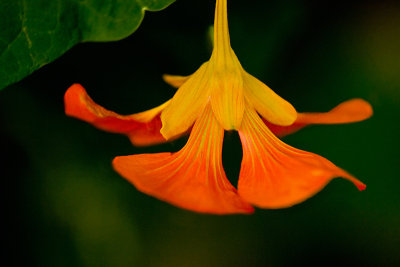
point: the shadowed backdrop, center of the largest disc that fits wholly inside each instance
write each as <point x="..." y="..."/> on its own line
<point x="67" y="207"/>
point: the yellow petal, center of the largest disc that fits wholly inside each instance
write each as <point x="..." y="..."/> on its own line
<point x="187" y="104"/>
<point x="271" y="106"/>
<point x="227" y="98"/>
<point x="175" y="80"/>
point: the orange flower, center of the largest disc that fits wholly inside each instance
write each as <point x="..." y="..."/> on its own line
<point x="220" y="96"/>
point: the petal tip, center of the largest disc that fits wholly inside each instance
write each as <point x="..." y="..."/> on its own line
<point x="368" y="110"/>
<point x="248" y="211"/>
<point x="74" y="105"/>
<point x="71" y="98"/>
<point x="290" y="117"/>
<point x="364" y="108"/>
<point x="74" y="89"/>
<point x="167" y="78"/>
<point x="355" y="110"/>
<point x="175" y="80"/>
<point x="165" y="133"/>
<point x="171" y="133"/>
<point x="361" y="186"/>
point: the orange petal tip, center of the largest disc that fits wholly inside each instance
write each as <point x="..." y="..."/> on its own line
<point x="72" y="101"/>
<point x="361" y="186"/>
<point x="358" y="109"/>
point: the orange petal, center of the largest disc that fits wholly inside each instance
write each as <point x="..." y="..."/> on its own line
<point x="270" y="105"/>
<point x="192" y="178"/>
<point x="352" y="110"/>
<point x="142" y="128"/>
<point x="147" y="133"/>
<point x="276" y="175"/>
<point x="175" y="80"/>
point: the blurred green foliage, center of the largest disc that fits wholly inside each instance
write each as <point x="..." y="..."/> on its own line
<point x="34" y="33"/>
<point x="68" y="208"/>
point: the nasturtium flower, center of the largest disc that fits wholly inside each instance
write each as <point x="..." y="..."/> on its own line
<point x="221" y="96"/>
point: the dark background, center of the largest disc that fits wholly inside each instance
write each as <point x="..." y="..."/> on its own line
<point x="65" y="206"/>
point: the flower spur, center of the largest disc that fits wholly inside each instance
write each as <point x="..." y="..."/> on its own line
<point x="221" y="96"/>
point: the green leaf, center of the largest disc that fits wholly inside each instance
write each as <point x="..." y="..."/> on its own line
<point x="36" y="32"/>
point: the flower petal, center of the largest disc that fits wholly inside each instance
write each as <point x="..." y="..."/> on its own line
<point x="270" y="105"/>
<point x="142" y="128"/>
<point x="227" y="98"/>
<point x="175" y="80"/>
<point x="187" y="104"/>
<point x="352" y="110"/>
<point x="276" y="175"/>
<point x="192" y="178"/>
<point x="147" y="133"/>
